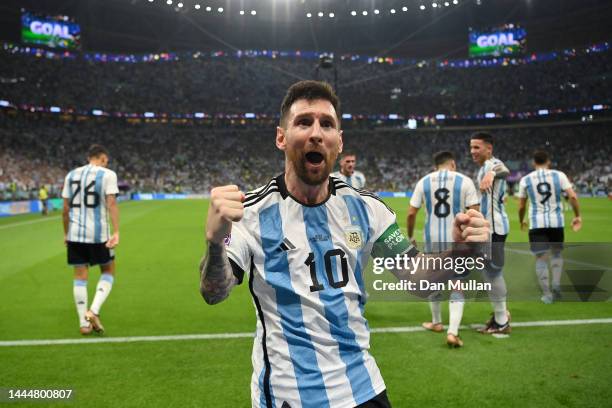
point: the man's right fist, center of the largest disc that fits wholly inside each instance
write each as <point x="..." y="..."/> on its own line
<point x="225" y="207"/>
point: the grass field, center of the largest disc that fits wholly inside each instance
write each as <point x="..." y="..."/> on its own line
<point x="156" y="293"/>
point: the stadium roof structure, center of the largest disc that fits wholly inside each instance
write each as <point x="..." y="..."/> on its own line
<point x="410" y="28"/>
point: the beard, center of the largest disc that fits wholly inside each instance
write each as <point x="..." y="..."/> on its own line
<point x="312" y="176"/>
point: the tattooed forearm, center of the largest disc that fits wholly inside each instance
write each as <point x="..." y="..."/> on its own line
<point x="216" y="277"/>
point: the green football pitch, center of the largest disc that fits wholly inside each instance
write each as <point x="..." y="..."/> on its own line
<point x="156" y="294"/>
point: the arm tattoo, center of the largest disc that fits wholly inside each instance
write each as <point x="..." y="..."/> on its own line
<point x="216" y="276"/>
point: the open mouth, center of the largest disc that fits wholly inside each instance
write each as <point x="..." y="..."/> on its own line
<point x="314" y="157"/>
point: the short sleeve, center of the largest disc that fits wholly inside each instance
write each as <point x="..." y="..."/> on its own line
<point x="471" y="196"/>
<point x="237" y="245"/>
<point x="111" y="183"/>
<point x="387" y="238"/>
<point x="564" y="181"/>
<point x="417" y="195"/>
<point x="66" y="188"/>
<point x="522" y="193"/>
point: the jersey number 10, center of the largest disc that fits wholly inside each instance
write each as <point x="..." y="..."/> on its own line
<point x="310" y="262"/>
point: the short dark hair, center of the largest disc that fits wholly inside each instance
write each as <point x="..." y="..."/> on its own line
<point x="309" y="90"/>
<point x="95" y="150"/>
<point x="442" y="157"/>
<point x="484" y="136"/>
<point x="347" y="153"/>
<point x="540" y="157"/>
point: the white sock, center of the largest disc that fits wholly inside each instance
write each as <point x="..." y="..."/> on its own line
<point x="497" y="295"/>
<point x="542" y="274"/>
<point x="79" y="291"/>
<point x="455" y="310"/>
<point x="436" y="312"/>
<point x="105" y="284"/>
<point x="556" y="264"/>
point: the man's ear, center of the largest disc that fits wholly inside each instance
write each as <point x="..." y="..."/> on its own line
<point x="281" y="141"/>
<point x="341" y="143"/>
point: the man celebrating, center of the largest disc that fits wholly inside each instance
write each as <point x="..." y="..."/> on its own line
<point x="545" y="187"/>
<point x="445" y="193"/>
<point x="347" y="173"/>
<point x="304" y="239"/>
<point x="492" y="184"/>
<point x="89" y="197"/>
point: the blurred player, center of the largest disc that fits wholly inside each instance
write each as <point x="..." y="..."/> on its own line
<point x="43" y="196"/>
<point x="347" y="173"/>
<point x="492" y="185"/>
<point x="89" y="198"/>
<point x="445" y="194"/>
<point x="303" y="240"/>
<point x="544" y="188"/>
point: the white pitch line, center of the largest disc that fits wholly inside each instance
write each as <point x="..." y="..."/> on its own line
<point x="215" y="336"/>
<point x="19" y="224"/>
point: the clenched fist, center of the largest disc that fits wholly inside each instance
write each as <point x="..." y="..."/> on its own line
<point x="471" y="227"/>
<point x="225" y="207"/>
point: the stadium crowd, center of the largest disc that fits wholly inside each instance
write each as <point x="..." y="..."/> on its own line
<point x="171" y="158"/>
<point x="239" y="85"/>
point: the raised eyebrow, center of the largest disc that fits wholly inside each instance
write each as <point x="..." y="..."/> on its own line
<point x="308" y="115"/>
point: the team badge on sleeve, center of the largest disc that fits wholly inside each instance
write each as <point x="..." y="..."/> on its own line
<point x="354" y="237"/>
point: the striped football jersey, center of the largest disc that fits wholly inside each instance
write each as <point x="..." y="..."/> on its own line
<point x="492" y="202"/>
<point x="356" y="180"/>
<point x="86" y="189"/>
<point x="544" y="188"/>
<point x="306" y="276"/>
<point x="445" y="194"/>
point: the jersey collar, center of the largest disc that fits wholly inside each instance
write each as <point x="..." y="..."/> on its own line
<point x="282" y="189"/>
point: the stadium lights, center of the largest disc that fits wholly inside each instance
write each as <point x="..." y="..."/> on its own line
<point x="455" y="1"/>
<point x="150" y="1"/>
<point x="308" y="15"/>
<point x="149" y="115"/>
<point x="392" y="11"/>
<point x="169" y="2"/>
<point x="347" y="116"/>
<point x="197" y="6"/>
<point x="97" y="112"/>
<point x="434" y="5"/>
<point x="4" y="103"/>
<point x="543" y="112"/>
<point x="253" y="12"/>
<point x="331" y="15"/>
<point x="422" y="7"/>
<point x="249" y="116"/>
<point x="364" y="12"/>
<point x="55" y="109"/>
<point x="595" y="107"/>
<point x="242" y="12"/>
<point x="180" y="5"/>
<point x="489" y="115"/>
<point x="320" y="14"/>
<point x="353" y="13"/>
<point x="199" y="115"/>
<point x="376" y="11"/>
<point x="440" y="116"/>
<point x="393" y="116"/>
<point x="220" y="9"/>
<point x="404" y="9"/>
<point x="208" y="8"/>
<point x="446" y="4"/>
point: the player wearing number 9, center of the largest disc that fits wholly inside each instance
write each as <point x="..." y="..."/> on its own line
<point x="303" y="241"/>
<point x="89" y="199"/>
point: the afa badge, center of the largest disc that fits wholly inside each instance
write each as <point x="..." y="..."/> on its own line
<point x="354" y="237"/>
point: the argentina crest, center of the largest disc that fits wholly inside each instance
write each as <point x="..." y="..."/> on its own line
<point x="353" y="237"/>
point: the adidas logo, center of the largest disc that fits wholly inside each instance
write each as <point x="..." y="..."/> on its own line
<point x="287" y="245"/>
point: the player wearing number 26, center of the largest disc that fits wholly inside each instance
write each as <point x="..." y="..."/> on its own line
<point x="89" y="201"/>
<point x="303" y="241"/>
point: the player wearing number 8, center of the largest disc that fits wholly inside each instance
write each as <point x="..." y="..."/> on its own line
<point x="445" y="193"/>
<point x="89" y="201"/>
<point x="544" y="188"/>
